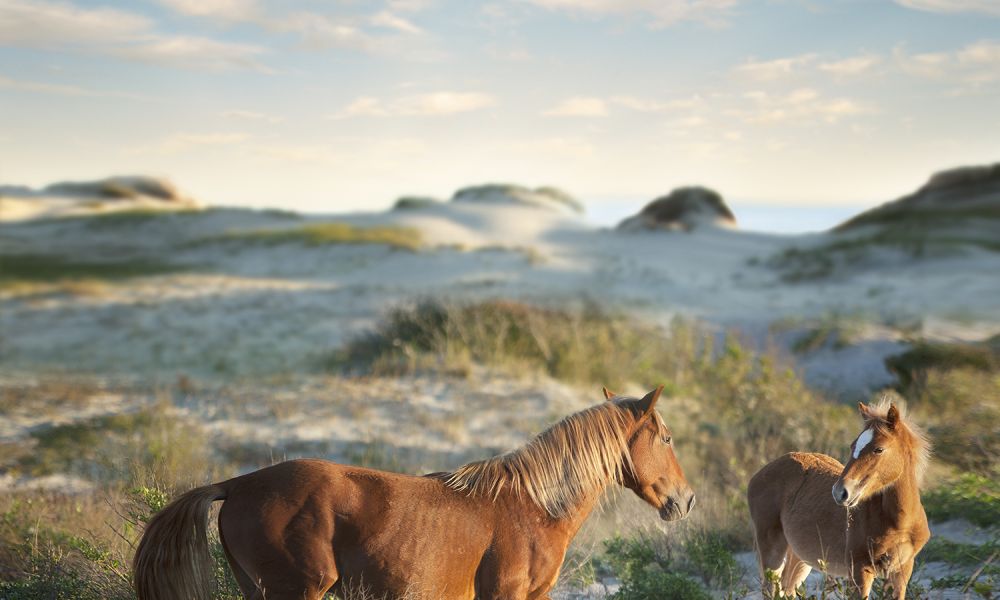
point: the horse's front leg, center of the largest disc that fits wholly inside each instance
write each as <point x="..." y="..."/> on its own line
<point x="900" y="579"/>
<point x="863" y="579"/>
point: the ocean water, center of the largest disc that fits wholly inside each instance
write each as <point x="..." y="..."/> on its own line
<point x="750" y="216"/>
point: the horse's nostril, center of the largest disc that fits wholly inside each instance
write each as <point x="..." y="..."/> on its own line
<point x="691" y="501"/>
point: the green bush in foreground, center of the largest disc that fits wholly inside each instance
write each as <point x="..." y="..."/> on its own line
<point x="647" y="576"/>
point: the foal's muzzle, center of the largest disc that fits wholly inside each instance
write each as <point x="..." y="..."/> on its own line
<point x="845" y="493"/>
<point x="678" y="506"/>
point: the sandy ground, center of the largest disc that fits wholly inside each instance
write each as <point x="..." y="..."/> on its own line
<point x="254" y="324"/>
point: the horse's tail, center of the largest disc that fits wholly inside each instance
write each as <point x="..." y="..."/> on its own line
<point x="173" y="561"/>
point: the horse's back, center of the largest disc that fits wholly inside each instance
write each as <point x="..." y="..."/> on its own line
<point x="778" y="481"/>
<point x="381" y="526"/>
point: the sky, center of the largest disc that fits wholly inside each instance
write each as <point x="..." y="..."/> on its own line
<point x="343" y="105"/>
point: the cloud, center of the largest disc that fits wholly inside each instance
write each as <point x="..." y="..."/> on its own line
<point x="65" y="90"/>
<point x="391" y="21"/>
<point x="554" y="146"/>
<point x="986" y="7"/>
<point x="54" y="24"/>
<point x="804" y="105"/>
<point x="658" y="13"/>
<point x="179" y="142"/>
<point x="855" y="65"/>
<point x="974" y="65"/>
<point x="417" y="105"/>
<point x="229" y="10"/>
<point x="60" y="26"/>
<point x="579" y="106"/>
<point x="195" y="52"/>
<point x="315" y="30"/>
<point x="770" y="70"/>
<point x="651" y="106"/>
<point x="250" y="115"/>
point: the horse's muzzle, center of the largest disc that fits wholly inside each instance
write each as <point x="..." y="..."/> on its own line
<point x="678" y="507"/>
<point x="846" y="493"/>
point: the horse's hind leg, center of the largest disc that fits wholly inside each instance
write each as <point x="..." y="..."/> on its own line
<point x="247" y="585"/>
<point x="795" y="572"/>
<point x="771" y="545"/>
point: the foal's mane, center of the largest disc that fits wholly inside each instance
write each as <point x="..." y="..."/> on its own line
<point x="915" y="437"/>
<point x="573" y="458"/>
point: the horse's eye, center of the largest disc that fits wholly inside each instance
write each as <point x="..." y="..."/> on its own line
<point x="879" y="450"/>
<point x="666" y="439"/>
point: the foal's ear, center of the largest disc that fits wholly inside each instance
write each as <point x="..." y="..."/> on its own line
<point x="648" y="402"/>
<point x="892" y="417"/>
<point x="863" y="409"/>
<point x="608" y="394"/>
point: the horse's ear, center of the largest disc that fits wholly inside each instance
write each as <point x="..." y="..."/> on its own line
<point x="608" y="394"/>
<point x="892" y="417"/>
<point x="863" y="410"/>
<point x="648" y="402"/>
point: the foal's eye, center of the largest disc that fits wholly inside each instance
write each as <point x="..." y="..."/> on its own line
<point x="878" y="450"/>
<point x="666" y="439"/>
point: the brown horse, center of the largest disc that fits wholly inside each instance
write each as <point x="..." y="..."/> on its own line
<point x="492" y="529"/>
<point x="872" y="524"/>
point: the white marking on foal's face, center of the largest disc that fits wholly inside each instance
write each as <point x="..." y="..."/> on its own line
<point x="863" y="440"/>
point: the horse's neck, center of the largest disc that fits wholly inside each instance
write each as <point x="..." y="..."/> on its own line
<point x="575" y="517"/>
<point x="900" y="504"/>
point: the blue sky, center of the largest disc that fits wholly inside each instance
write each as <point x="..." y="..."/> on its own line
<point x="345" y="105"/>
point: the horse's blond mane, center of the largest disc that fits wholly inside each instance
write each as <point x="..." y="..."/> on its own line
<point x="577" y="456"/>
<point x="919" y="442"/>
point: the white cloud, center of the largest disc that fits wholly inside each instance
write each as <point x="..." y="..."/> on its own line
<point x="195" y="52"/>
<point x="65" y="90"/>
<point x="652" y="106"/>
<point x="229" y="10"/>
<point x="554" y="146"/>
<point x="391" y="21"/>
<point x="779" y="68"/>
<point x="55" y="24"/>
<point x="179" y="142"/>
<point x="973" y="65"/>
<point x="660" y="13"/>
<point x="855" y="65"/>
<point x="60" y="26"/>
<point x="417" y="105"/>
<point x="986" y="7"/>
<point x="579" y="106"/>
<point x="804" y="105"/>
<point x="251" y="115"/>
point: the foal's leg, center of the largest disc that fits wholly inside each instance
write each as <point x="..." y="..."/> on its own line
<point x="771" y="546"/>
<point x="794" y="573"/>
<point x="900" y="579"/>
<point x="864" y="577"/>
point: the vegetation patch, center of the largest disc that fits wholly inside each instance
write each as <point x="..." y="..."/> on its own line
<point x="972" y="497"/>
<point x="822" y="261"/>
<point x="322" y="234"/>
<point x="955" y="391"/>
<point x="651" y="569"/>
<point x="25" y="269"/>
<point x="733" y="409"/>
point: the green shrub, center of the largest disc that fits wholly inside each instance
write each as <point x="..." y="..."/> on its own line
<point x="647" y="575"/>
<point x="21" y="268"/>
<point x="972" y="497"/>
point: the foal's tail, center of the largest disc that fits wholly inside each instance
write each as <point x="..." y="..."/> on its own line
<point x="173" y="561"/>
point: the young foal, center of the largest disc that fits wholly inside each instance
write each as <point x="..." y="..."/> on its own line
<point x="493" y="529"/>
<point x="872" y="523"/>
